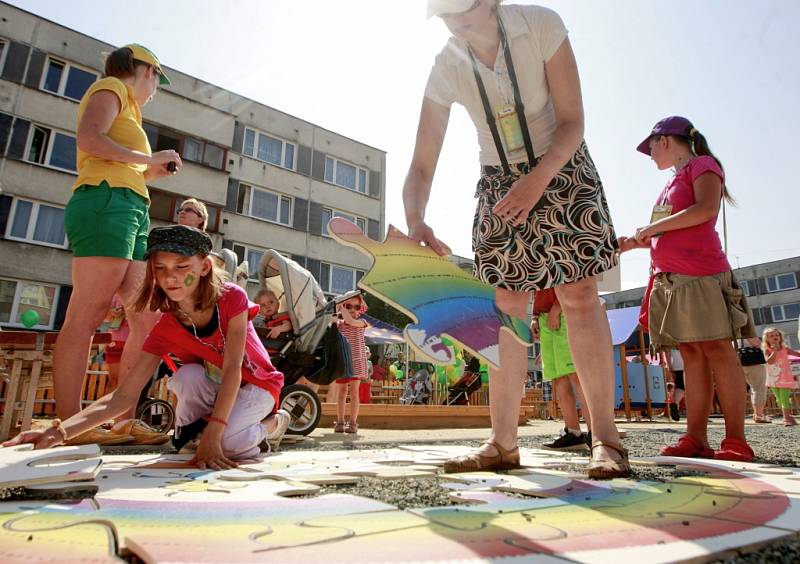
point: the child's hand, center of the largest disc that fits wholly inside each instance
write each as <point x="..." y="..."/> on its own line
<point x="535" y="328"/>
<point x="209" y="454"/>
<point x="39" y="439"/>
<point x="626" y="244"/>
<point x="554" y="322"/>
<point x="644" y="234"/>
<point x="275" y="332"/>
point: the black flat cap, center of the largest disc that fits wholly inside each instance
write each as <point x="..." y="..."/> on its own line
<point x="178" y="239"/>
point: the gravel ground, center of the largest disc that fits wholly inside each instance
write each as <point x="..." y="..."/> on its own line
<point x="773" y="444"/>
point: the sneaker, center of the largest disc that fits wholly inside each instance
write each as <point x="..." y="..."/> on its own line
<point x="566" y="442"/>
<point x="338" y="427"/>
<point x="282" y="423"/>
<point x="351" y="427"/>
<point x="674" y="412"/>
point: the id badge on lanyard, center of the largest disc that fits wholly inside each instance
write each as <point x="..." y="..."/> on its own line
<point x="510" y="127"/>
<point x="660" y="212"/>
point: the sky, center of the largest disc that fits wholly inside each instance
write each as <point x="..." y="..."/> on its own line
<point x="359" y="67"/>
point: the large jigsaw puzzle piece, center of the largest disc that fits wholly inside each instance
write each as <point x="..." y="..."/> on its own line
<point x="443" y="300"/>
<point x="20" y="465"/>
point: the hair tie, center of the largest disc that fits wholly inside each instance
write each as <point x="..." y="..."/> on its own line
<point x="692" y="132"/>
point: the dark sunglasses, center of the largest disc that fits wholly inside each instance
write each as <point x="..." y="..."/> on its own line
<point x="188" y="209"/>
<point x="350" y="306"/>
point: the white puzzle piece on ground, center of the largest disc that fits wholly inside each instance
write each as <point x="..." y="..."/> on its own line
<point x="20" y="465"/>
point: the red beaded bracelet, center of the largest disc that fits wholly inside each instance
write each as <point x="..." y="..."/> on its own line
<point x="213" y="419"/>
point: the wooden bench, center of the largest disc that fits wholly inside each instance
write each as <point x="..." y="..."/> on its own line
<point x="28" y="358"/>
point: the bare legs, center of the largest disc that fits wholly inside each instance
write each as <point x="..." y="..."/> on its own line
<point x="590" y="344"/>
<point x="139" y="322"/>
<point x="95" y="280"/>
<point x="341" y="399"/>
<point x="705" y="363"/>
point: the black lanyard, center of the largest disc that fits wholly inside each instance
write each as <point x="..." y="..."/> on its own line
<point x="518" y="105"/>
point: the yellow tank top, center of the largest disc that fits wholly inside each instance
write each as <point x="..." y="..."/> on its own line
<point x="126" y="130"/>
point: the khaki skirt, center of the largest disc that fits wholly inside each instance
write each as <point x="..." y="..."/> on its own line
<point x="688" y="309"/>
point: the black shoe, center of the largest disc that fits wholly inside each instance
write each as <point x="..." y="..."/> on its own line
<point x="566" y="441"/>
<point x="588" y="438"/>
<point x="673" y="411"/>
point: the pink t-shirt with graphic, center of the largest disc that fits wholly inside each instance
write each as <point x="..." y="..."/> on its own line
<point x="696" y="250"/>
<point x="257" y="368"/>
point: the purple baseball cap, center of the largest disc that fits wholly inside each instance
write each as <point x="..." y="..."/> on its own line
<point x="672" y="125"/>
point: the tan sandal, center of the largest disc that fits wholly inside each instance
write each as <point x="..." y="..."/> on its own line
<point x="609" y="469"/>
<point x="477" y="462"/>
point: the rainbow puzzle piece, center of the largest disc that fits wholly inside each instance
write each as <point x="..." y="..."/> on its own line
<point x="442" y="299"/>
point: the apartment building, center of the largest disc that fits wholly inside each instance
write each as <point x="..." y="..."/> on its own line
<point x="772" y="291"/>
<point x="270" y="180"/>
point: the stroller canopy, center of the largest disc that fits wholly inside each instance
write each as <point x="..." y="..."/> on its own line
<point x="298" y="294"/>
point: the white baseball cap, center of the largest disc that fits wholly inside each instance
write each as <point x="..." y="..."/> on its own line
<point x="439" y="7"/>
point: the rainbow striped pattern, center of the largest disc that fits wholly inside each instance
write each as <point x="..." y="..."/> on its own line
<point x="443" y="300"/>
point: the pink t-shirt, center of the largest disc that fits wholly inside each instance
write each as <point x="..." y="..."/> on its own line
<point x="693" y="251"/>
<point x="169" y="336"/>
<point x="784" y="378"/>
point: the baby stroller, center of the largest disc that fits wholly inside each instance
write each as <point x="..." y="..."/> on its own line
<point x="315" y="349"/>
<point x="418" y="388"/>
<point x="458" y="393"/>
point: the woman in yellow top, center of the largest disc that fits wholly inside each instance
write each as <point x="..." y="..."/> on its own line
<point x="107" y="218"/>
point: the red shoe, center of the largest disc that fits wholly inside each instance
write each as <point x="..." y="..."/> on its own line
<point x="735" y="450"/>
<point x="687" y="447"/>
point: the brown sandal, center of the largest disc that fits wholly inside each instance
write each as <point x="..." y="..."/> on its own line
<point x="477" y="462"/>
<point x="609" y="469"/>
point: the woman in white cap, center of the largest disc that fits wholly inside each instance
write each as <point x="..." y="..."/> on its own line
<point x="541" y="219"/>
<point x="107" y="217"/>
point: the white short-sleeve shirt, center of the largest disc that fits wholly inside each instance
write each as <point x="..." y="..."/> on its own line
<point x="534" y="34"/>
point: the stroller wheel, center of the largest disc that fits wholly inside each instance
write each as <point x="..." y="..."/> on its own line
<point x="157" y="413"/>
<point x="304" y="406"/>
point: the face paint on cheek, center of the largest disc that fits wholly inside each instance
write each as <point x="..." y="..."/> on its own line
<point x="188" y="280"/>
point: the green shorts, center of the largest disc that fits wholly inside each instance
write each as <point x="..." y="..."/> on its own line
<point x="102" y="221"/>
<point x="556" y="358"/>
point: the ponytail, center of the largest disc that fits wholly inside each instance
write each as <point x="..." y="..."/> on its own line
<point x="120" y="63"/>
<point x="699" y="146"/>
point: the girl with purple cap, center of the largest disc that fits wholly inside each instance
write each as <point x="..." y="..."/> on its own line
<point x="693" y="301"/>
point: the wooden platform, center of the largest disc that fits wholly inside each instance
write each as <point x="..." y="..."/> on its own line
<point x="378" y="416"/>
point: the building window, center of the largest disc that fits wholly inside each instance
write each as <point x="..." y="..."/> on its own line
<point x="34" y="222"/>
<point x="329" y="213"/>
<point x="3" y="51"/>
<point x="785" y="312"/>
<point x="346" y="175"/>
<point x="19" y="296"/>
<point x="190" y="148"/>
<point x="336" y="279"/>
<point x="65" y="79"/>
<point x="748" y="287"/>
<point x="164" y="206"/>
<point x="52" y="148"/>
<point x="252" y="256"/>
<point x="263" y="204"/>
<point x="781" y="282"/>
<point x="269" y="149"/>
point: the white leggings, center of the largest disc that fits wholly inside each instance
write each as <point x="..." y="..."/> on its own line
<point x="196" y="397"/>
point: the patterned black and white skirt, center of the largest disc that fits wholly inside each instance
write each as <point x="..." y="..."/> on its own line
<point x="568" y="236"/>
